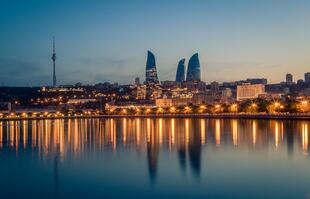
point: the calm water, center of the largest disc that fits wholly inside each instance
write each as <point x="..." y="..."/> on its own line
<point x="155" y="158"/>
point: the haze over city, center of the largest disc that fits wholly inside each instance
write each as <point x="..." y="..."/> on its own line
<point x="99" y="41"/>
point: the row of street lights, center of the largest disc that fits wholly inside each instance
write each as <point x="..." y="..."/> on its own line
<point x="204" y="108"/>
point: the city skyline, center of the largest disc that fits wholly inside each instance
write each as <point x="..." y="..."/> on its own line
<point x="189" y="98"/>
<point x="106" y="41"/>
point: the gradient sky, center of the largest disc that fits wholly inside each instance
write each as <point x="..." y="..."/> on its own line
<point x="99" y="41"/>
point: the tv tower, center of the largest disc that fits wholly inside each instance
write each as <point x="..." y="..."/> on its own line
<point x="54" y="60"/>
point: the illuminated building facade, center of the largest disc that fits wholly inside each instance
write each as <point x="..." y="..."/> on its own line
<point x="141" y="92"/>
<point x="163" y="102"/>
<point x="249" y="91"/>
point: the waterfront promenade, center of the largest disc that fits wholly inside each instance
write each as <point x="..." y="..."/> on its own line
<point x="284" y="116"/>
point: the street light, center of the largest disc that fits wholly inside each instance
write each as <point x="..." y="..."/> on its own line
<point x="234" y="107"/>
<point x="172" y="109"/>
<point x="160" y="110"/>
<point x="187" y="109"/>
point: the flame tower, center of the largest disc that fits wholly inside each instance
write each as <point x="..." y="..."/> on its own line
<point x="193" y="69"/>
<point x="54" y="60"/>
<point x="180" y="75"/>
<point x="151" y="76"/>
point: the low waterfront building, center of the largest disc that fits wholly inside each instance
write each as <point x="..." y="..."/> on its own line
<point x="249" y="91"/>
<point x="111" y="107"/>
<point x="80" y="101"/>
<point x="164" y="102"/>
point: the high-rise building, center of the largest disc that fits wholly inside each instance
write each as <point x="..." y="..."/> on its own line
<point x="180" y="75"/>
<point x="289" y="78"/>
<point x="54" y="60"/>
<point x="151" y="76"/>
<point x="307" y="78"/>
<point x="249" y="91"/>
<point x="214" y="86"/>
<point x="137" y="81"/>
<point x="193" y="69"/>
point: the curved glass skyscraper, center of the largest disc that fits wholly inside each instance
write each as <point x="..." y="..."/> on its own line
<point x="193" y="69"/>
<point x="151" y="76"/>
<point x="180" y="75"/>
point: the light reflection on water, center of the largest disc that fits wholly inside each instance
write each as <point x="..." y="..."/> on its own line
<point x="187" y="142"/>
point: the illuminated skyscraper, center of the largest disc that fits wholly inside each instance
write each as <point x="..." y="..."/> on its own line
<point x="54" y="60"/>
<point x="180" y="75"/>
<point x="151" y="76"/>
<point x="193" y="69"/>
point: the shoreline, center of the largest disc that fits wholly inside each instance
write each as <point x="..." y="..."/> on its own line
<point x="215" y="116"/>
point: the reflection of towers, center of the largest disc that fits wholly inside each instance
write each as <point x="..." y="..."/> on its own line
<point x="190" y="140"/>
<point x="152" y="151"/>
<point x="181" y="142"/>
<point x="194" y="149"/>
<point x="54" y="60"/>
<point x="56" y="164"/>
<point x="288" y="131"/>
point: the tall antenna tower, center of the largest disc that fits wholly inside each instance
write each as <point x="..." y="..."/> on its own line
<point x="54" y="60"/>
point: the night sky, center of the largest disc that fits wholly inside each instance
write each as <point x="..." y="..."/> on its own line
<point x="99" y="41"/>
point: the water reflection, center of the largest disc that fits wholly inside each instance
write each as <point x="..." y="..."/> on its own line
<point x="61" y="139"/>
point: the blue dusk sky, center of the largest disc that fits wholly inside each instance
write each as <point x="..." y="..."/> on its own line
<point x="99" y="41"/>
